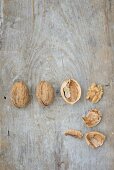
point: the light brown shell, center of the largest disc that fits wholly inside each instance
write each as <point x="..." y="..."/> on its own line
<point x="92" y="118"/>
<point x="94" y="139"/>
<point x="20" y="94"/>
<point x="95" y="93"/>
<point x="70" y="91"/>
<point x="45" y="93"/>
<point x="74" y="133"/>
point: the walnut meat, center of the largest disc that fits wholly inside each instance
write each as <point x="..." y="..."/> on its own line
<point x="95" y="93"/>
<point x="74" y="133"/>
<point x="94" y="139"/>
<point x="92" y="118"/>
<point x="45" y="93"/>
<point x="20" y="94"/>
<point x="70" y="91"/>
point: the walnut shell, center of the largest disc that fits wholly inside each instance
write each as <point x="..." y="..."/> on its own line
<point x="94" y="139"/>
<point x="74" y="133"/>
<point x="92" y="118"/>
<point x="45" y="93"/>
<point x="20" y="94"/>
<point x="70" y="91"/>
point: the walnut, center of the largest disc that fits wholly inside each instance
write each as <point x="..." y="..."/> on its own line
<point x="95" y="93"/>
<point x="74" y="133"/>
<point x="92" y="118"/>
<point x="71" y="91"/>
<point x="94" y="139"/>
<point x="45" y="93"/>
<point x="20" y="94"/>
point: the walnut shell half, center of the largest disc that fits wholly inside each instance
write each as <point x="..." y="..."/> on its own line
<point x="20" y="94"/>
<point x="70" y="91"/>
<point x="92" y="118"/>
<point x="45" y="93"/>
<point x="74" y="133"/>
<point x="94" y="139"/>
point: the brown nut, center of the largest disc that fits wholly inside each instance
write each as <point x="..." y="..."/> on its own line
<point x="94" y="139"/>
<point x="70" y="91"/>
<point x="20" y="94"/>
<point x="95" y="93"/>
<point x="74" y="133"/>
<point x="92" y="118"/>
<point x="45" y="93"/>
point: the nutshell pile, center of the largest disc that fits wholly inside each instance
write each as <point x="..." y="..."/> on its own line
<point x="71" y="93"/>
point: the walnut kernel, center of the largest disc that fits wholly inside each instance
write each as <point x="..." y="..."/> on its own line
<point x="95" y="93"/>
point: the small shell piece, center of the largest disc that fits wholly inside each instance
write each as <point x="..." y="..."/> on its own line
<point x="20" y="94"/>
<point x="70" y="91"/>
<point x="94" y="139"/>
<point x="95" y="93"/>
<point x="74" y="133"/>
<point x="92" y="118"/>
<point x="45" y="93"/>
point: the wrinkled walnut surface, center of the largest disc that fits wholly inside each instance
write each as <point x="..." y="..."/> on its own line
<point x="20" y="94"/>
<point x="71" y="91"/>
<point x="92" y="118"/>
<point x="74" y="133"/>
<point x="95" y="139"/>
<point x="95" y="93"/>
<point x="45" y="93"/>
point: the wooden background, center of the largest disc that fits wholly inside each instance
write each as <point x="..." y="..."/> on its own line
<point x="54" y="40"/>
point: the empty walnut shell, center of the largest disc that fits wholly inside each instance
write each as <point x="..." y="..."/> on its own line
<point x="95" y="139"/>
<point x="70" y="91"/>
<point x="20" y="94"/>
<point x="74" y="133"/>
<point x="92" y="118"/>
<point x="45" y="93"/>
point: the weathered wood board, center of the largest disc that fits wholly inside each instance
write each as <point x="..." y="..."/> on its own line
<point x="54" y="40"/>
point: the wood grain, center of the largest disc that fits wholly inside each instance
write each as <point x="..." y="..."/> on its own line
<point x="54" y="40"/>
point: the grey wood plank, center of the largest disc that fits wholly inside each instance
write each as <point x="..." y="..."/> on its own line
<point x="55" y="40"/>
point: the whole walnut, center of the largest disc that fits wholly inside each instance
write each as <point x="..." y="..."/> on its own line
<point x="20" y="94"/>
<point x="45" y="93"/>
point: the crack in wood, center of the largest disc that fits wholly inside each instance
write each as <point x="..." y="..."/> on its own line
<point x="110" y="4"/>
<point x="8" y="133"/>
<point x="33" y="12"/>
<point x="107" y="28"/>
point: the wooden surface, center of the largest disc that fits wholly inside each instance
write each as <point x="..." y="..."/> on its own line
<point x="54" y="40"/>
